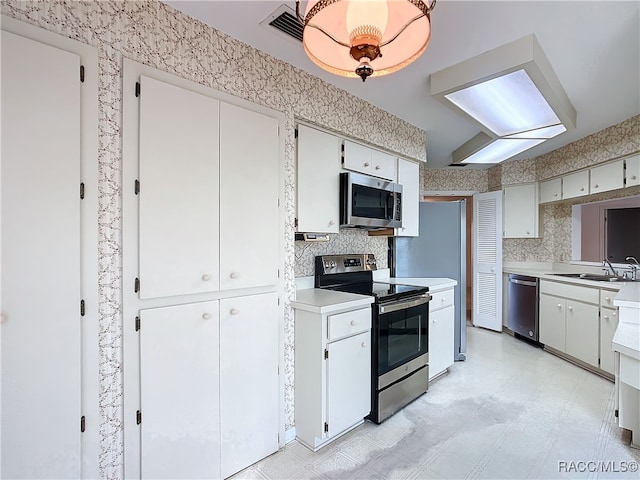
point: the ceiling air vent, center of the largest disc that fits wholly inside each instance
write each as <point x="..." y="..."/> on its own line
<point x="284" y="20"/>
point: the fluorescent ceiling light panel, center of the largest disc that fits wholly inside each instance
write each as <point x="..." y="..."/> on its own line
<point x="510" y="92"/>
<point x="500" y="149"/>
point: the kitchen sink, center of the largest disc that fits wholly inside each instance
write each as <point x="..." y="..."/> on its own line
<point x="594" y="276"/>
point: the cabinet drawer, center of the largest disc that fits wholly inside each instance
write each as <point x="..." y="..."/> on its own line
<point x="565" y="290"/>
<point x="606" y="298"/>
<point x="441" y="300"/>
<point x="348" y="323"/>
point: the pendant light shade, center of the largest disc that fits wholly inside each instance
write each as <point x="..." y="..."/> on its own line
<point x="362" y="38"/>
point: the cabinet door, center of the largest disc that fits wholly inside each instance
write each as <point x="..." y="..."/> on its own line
<point x="551" y="190"/>
<point x="633" y="170"/>
<point x="249" y="211"/>
<point x="348" y="382"/>
<point x="318" y="185"/>
<point x="357" y="157"/>
<point x="608" y="325"/>
<point x="383" y="165"/>
<point x="40" y="261"/>
<point x="552" y="322"/>
<point x="178" y="242"/>
<point x="409" y="178"/>
<point x="521" y="211"/>
<point x="248" y="380"/>
<point x="575" y="184"/>
<point x="582" y="337"/>
<point x="441" y="333"/>
<point x="607" y="177"/>
<point x="179" y="391"/>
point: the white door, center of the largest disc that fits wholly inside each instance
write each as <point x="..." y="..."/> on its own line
<point x="487" y="260"/>
<point x="178" y="243"/>
<point x="348" y="382"/>
<point x="40" y="261"/>
<point x="249" y="210"/>
<point x="248" y="380"/>
<point x="179" y="391"/>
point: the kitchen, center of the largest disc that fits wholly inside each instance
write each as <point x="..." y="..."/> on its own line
<point x="116" y="30"/>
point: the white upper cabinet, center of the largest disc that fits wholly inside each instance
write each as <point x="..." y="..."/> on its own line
<point x="520" y="209"/>
<point x="409" y="178"/>
<point x="178" y="198"/>
<point x="575" y="184"/>
<point x="249" y="212"/>
<point x="633" y="170"/>
<point x="318" y="181"/>
<point x="607" y="177"/>
<point x="551" y="190"/>
<point x="363" y="159"/>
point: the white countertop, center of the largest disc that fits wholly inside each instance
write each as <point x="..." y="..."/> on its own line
<point x="628" y="296"/>
<point x="317" y="300"/>
<point x="626" y="340"/>
<point x="434" y="284"/>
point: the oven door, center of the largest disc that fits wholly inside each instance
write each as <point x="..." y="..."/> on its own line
<point x="402" y="331"/>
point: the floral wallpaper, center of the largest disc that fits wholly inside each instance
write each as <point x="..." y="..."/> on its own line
<point x="154" y="34"/>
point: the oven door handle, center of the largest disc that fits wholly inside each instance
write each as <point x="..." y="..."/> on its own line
<point x="403" y="304"/>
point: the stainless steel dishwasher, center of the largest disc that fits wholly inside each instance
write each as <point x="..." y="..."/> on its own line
<point x="523" y="306"/>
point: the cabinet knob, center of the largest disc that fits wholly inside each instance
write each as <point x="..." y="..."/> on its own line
<point x="555" y="194"/>
<point x="364" y="344"/>
<point x="582" y="189"/>
<point x="559" y="305"/>
<point x="596" y="186"/>
<point x="633" y="177"/>
<point x="331" y="222"/>
<point x="528" y="232"/>
<point x="233" y="311"/>
<point x="377" y="167"/>
<point x="493" y="269"/>
<point x="206" y="316"/>
<point x="435" y="320"/>
<point x="607" y="299"/>
<point x="606" y="318"/>
<point x="366" y="164"/>
<point x="571" y="308"/>
<point x="233" y="275"/>
<point x="614" y="314"/>
<point x="353" y="323"/>
<point x="206" y="278"/>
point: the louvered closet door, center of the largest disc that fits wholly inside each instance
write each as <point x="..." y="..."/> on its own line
<point x="487" y="260"/>
<point x="179" y="170"/>
<point x="40" y="259"/>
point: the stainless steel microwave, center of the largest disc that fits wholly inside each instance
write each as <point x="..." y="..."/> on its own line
<point x="369" y="202"/>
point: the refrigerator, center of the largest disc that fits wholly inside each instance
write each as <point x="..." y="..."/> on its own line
<point x="439" y="251"/>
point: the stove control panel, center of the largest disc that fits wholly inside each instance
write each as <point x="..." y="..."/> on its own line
<point x="330" y="264"/>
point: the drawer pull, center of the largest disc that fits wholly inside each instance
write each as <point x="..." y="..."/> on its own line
<point x="607" y="299"/>
<point x="559" y="305"/>
<point x="606" y="318"/>
<point x="366" y="164"/>
<point x="206" y="278"/>
<point x="353" y="323"/>
<point x="364" y="344"/>
<point x="377" y="167"/>
<point x="233" y="311"/>
<point x="596" y="186"/>
<point x="582" y="189"/>
<point x="206" y="316"/>
<point x="571" y="309"/>
<point x="233" y="275"/>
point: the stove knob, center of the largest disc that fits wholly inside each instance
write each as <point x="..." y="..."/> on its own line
<point x="333" y="264"/>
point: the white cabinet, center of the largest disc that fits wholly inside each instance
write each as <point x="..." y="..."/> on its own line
<point x="318" y="181"/>
<point x="363" y="159"/>
<point x="569" y="320"/>
<point x="178" y="193"/>
<point x="48" y="256"/>
<point x="607" y="177"/>
<point x="441" y="332"/>
<point x="409" y="178"/>
<point x="248" y="380"/>
<point x="249" y="191"/>
<point x="575" y="184"/>
<point x="632" y="174"/>
<point x="551" y="190"/>
<point x="179" y="385"/>
<point x="332" y="369"/>
<point x="608" y="325"/>
<point x="520" y="209"/>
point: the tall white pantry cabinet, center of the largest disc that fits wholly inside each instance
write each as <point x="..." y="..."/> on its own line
<point x="202" y="259"/>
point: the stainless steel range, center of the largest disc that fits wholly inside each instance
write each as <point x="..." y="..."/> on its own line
<point x="400" y="319"/>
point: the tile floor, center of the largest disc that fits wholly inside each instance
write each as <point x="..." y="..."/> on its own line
<point x="510" y="411"/>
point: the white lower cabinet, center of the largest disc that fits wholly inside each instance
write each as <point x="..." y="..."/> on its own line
<point x="179" y="391"/>
<point x="608" y="325"/>
<point x="569" y="320"/>
<point x="248" y="380"/>
<point x="332" y="372"/>
<point x="441" y="332"/>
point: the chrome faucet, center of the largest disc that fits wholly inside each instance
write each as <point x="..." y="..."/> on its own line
<point x="634" y="267"/>
<point x="607" y="262"/>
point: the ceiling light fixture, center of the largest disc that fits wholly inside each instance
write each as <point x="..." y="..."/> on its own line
<point x="362" y="38"/>
<point x="512" y="93"/>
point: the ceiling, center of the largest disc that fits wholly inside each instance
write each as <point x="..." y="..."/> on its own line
<point x="593" y="46"/>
